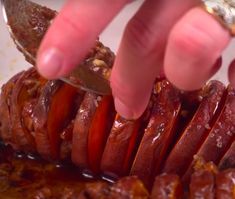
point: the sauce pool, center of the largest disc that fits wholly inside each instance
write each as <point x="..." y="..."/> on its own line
<point x="23" y="176"/>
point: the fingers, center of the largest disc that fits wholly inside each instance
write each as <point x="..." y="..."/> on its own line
<point x="194" y="45"/>
<point x="73" y="33"/>
<point x="140" y="56"/>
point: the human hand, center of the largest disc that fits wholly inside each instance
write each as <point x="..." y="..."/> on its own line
<point x="176" y="36"/>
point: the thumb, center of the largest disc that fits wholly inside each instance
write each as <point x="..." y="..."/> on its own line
<point x="73" y="33"/>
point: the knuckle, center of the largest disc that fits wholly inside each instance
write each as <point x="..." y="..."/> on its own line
<point x="73" y="26"/>
<point x="196" y="43"/>
<point x="141" y="36"/>
<point x="120" y="88"/>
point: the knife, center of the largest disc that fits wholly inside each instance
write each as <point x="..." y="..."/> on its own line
<point x="27" y="23"/>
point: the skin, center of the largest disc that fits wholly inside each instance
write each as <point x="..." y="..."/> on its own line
<point x="177" y="37"/>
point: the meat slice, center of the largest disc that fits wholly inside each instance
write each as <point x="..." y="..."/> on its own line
<point x="202" y="183"/>
<point x="99" y="60"/>
<point x="167" y="186"/>
<point x="5" y="119"/>
<point x="128" y="187"/>
<point x="82" y="125"/>
<point x="225" y="184"/>
<point x="228" y="160"/>
<point x="159" y="133"/>
<point x="66" y="144"/>
<point x="222" y="133"/>
<point x="197" y="130"/>
<point x="26" y="89"/>
<point x="99" y="131"/>
<point x="120" y="144"/>
<point x="220" y="136"/>
<point x="55" y="109"/>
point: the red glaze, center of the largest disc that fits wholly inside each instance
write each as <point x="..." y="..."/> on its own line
<point x="99" y="130"/>
<point x="221" y="135"/>
<point x="120" y="144"/>
<point x="82" y="125"/>
<point x="56" y="107"/>
<point x="197" y="130"/>
<point x="159" y="133"/>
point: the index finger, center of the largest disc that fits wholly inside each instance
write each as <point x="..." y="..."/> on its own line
<point x="73" y="33"/>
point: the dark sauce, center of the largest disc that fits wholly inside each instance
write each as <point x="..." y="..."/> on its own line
<point x="23" y="176"/>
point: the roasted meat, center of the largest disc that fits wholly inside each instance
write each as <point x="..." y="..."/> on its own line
<point x="58" y="141"/>
<point x="62" y="124"/>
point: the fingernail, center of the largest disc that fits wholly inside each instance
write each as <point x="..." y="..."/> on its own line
<point x="50" y="63"/>
<point x="123" y="110"/>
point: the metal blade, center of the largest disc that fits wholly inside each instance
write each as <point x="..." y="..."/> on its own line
<point x="28" y="23"/>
